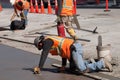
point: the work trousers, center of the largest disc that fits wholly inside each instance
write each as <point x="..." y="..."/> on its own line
<point x="67" y="22"/>
<point x="24" y="16"/>
<point x="82" y="64"/>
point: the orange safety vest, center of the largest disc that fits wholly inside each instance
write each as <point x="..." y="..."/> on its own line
<point x="67" y="8"/>
<point x="61" y="46"/>
<point x="26" y="5"/>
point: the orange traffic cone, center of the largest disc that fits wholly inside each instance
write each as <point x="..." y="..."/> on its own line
<point x="42" y="7"/>
<point x="56" y="6"/>
<point x="31" y="7"/>
<point x="49" y="7"/>
<point x="0" y="7"/>
<point x="74" y="7"/>
<point x="107" y="8"/>
<point x="36" y="7"/>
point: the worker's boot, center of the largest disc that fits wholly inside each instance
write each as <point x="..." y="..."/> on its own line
<point x="108" y="65"/>
<point x="36" y="70"/>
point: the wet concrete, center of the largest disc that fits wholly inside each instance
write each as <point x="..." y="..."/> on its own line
<point x="17" y="64"/>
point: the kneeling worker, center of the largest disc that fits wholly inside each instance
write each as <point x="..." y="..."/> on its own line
<point x="21" y="6"/>
<point x="68" y="50"/>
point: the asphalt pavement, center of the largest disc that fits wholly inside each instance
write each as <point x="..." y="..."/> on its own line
<point x="17" y="64"/>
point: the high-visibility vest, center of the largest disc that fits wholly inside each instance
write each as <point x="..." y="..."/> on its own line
<point x="61" y="46"/>
<point x="26" y="5"/>
<point x="67" y="8"/>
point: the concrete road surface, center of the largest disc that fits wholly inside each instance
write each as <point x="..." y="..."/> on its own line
<point x="107" y="23"/>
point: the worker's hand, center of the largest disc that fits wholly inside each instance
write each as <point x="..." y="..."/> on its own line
<point x="36" y="70"/>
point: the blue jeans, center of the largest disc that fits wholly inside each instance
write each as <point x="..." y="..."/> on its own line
<point x="82" y="64"/>
<point x="25" y="12"/>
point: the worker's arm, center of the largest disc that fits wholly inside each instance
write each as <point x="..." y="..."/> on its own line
<point x="15" y="10"/>
<point x="47" y="44"/>
<point x="64" y="61"/>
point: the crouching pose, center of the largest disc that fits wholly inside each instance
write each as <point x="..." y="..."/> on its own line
<point x="68" y="50"/>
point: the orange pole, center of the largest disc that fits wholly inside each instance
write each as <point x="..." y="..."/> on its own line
<point x="60" y="29"/>
<point x="107" y="6"/>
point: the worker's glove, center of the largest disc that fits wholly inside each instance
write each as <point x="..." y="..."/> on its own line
<point x="61" y="69"/>
<point x="36" y="70"/>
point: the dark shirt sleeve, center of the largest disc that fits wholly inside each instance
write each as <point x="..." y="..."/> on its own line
<point x="47" y="44"/>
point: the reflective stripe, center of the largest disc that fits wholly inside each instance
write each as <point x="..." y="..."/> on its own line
<point x="60" y="46"/>
<point x="60" y="41"/>
<point x="65" y="5"/>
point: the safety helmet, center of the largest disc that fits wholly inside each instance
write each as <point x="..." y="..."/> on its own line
<point x="20" y="3"/>
<point x="38" y="40"/>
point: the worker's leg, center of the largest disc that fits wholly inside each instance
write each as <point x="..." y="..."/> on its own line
<point x="81" y="64"/>
<point x="72" y="63"/>
<point x="67" y="22"/>
<point x="78" y="57"/>
<point x="96" y="65"/>
<point x="26" y="13"/>
<point x="24" y="16"/>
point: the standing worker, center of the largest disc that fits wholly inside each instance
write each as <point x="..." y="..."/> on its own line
<point x="23" y="7"/>
<point x="65" y="16"/>
<point x="68" y="50"/>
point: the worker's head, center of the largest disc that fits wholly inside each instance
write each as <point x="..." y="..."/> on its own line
<point x="38" y="42"/>
<point x="20" y="3"/>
